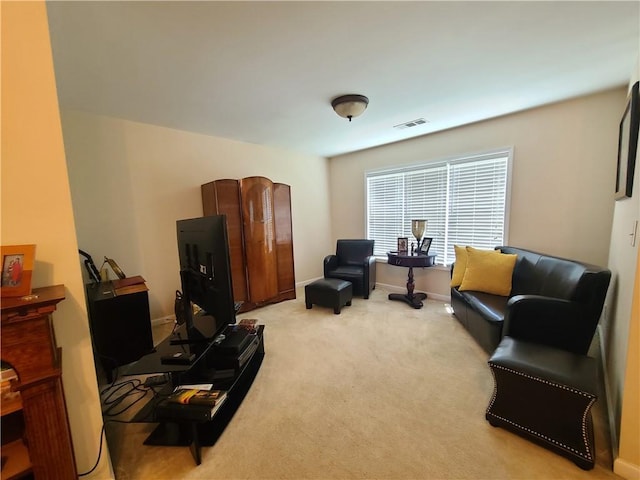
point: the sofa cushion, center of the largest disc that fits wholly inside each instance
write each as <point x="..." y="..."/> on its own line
<point x="459" y="266"/>
<point x="539" y="274"/>
<point x="491" y="307"/>
<point x="488" y="271"/>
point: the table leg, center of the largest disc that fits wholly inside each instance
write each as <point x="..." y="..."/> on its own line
<point x="413" y="299"/>
<point x="195" y="445"/>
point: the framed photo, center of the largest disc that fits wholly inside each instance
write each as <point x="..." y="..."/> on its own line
<point x="403" y="244"/>
<point x="17" y="269"/>
<point x="426" y="243"/>
<point x="628" y="145"/>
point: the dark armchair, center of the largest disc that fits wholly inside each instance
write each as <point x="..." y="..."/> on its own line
<point x="353" y="261"/>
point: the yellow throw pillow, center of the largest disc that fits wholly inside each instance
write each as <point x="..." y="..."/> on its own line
<point x="460" y="265"/>
<point x="488" y="271"/>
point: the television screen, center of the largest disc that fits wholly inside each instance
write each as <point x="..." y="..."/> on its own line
<point x="205" y="272"/>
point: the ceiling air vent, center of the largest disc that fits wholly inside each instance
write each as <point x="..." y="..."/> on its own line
<point x="411" y="123"/>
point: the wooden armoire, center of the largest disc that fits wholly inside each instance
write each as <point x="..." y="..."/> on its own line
<point x="258" y="215"/>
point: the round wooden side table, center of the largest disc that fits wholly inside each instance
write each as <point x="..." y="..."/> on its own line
<point x="405" y="260"/>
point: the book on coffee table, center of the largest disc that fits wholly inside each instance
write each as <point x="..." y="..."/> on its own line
<point x="193" y="396"/>
<point x="191" y="404"/>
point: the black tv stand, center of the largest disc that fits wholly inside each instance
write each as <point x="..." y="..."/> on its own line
<point x="195" y="434"/>
<point x="186" y="341"/>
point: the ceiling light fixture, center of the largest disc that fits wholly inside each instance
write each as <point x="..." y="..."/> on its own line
<point x="349" y="106"/>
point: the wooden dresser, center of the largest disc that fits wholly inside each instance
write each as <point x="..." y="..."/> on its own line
<point x="44" y="446"/>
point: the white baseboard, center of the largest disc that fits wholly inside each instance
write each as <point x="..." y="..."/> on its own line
<point x="626" y="470"/>
<point x="307" y="282"/>
<point x="613" y="433"/>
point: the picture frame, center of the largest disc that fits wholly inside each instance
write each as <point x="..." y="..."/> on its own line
<point x="628" y="145"/>
<point x="403" y="244"/>
<point x="426" y="244"/>
<point x="17" y="270"/>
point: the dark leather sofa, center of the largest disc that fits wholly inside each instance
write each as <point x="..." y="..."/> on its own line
<point x="554" y="301"/>
<point x="354" y="262"/>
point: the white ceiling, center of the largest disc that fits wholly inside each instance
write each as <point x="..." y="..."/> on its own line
<point x="265" y="72"/>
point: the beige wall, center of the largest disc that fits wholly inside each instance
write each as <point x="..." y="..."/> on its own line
<point x="130" y="182"/>
<point x="562" y="179"/>
<point x="36" y="208"/>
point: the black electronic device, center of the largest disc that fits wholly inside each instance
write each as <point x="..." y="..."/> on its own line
<point x="233" y="341"/>
<point x="156" y="380"/>
<point x="205" y="273"/>
<point x="178" y="358"/>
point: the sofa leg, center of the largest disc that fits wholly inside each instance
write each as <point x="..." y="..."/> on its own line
<point x="308" y="305"/>
<point x="336" y="310"/>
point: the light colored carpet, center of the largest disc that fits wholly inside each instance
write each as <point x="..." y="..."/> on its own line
<point x="381" y="391"/>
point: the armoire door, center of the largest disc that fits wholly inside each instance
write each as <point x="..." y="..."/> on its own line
<point x="284" y="239"/>
<point x="259" y="238"/>
<point x="222" y="197"/>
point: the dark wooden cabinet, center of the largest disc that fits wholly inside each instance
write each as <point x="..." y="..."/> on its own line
<point x="44" y="448"/>
<point x="120" y="322"/>
<point x="259" y="227"/>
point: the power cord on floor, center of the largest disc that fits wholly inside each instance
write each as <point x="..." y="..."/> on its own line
<point x="102" y="433"/>
<point x="135" y="387"/>
<point x="99" y="455"/>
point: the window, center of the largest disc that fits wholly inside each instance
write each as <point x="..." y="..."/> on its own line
<point x="464" y="201"/>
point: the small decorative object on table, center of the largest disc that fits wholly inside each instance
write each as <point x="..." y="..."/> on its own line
<point x="403" y="244"/>
<point x="418" y="227"/>
<point x="17" y="269"/>
<point x="424" y="248"/>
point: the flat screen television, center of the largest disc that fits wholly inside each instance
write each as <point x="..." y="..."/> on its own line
<point x="205" y="273"/>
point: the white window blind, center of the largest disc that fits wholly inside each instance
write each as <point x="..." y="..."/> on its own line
<point x="463" y="200"/>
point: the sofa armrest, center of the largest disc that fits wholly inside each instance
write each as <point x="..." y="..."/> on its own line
<point x="330" y="263"/>
<point x="549" y="321"/>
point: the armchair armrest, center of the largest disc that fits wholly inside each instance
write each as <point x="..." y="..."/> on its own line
<point x="330" y="263"/>
<point x="370" y="262"/>
<point x="549" y="321"/>
<point x="370" y="268"/>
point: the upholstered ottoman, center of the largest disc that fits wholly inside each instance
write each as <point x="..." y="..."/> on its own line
<point x="545" y="395"/>
<point x="329" y="292"/>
